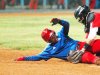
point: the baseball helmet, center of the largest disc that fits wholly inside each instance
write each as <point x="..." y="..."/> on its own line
<point x="46" y="34"/>
<point x="81" y="13"/>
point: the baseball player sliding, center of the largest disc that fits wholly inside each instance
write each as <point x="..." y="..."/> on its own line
<point x="61" y="46"/>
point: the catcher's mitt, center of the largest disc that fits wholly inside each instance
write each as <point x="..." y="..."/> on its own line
<point x="75" y="56"/>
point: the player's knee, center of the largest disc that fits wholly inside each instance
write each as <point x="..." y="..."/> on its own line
<point x="88" y="58"/>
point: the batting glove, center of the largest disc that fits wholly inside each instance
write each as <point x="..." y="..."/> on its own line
<point x="20" y="59"/>
<point x="54" y="21"/>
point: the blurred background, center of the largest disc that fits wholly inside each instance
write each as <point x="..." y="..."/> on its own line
<point x="47" y="4"/>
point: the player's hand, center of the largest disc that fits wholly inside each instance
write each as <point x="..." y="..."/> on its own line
<point x="20" y="59"/>
<point x="75" y="56"/>
<point x="54" y="21"/>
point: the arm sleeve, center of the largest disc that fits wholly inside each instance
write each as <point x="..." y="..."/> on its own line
<point x="32" y="58"/>
<point x="93" y="32"/>
<point x="44" y="55"/>
<point x="41" y="56"/>
<point x="65" y="28"/>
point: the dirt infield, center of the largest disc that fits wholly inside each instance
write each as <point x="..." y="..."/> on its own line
<point x="51" y="67"/>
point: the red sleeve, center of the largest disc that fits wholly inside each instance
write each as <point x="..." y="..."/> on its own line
<point x="96" y="21"/>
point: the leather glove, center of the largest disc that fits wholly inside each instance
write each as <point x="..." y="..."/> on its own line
<point x="75" y="56"/>
<point x="54" y="21"/>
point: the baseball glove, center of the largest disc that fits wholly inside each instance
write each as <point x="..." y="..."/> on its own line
<point x="75" y="56"/>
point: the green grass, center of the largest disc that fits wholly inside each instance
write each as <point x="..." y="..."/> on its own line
<point x="24" y="32"/>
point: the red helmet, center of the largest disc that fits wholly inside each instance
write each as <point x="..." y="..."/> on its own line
<point x="46" y="34"/>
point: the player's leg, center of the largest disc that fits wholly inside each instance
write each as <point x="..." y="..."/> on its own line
<point x="95" y="46"/>
<point x="90" y="58"/>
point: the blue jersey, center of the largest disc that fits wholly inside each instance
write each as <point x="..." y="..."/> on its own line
<point x="60" y="49"/>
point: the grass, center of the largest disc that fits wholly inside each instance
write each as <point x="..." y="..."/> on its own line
<point x="24" y="32"/>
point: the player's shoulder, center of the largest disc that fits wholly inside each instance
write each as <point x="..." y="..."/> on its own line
<point x="90" y="17"/>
